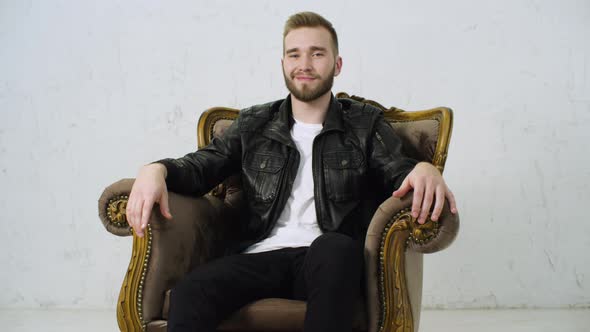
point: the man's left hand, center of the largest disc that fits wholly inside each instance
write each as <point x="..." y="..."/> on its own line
<point x="427" y="183"/>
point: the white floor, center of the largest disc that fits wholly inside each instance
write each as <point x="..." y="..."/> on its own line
<point x="541" y="320"/>
<point x="545" y="320"/>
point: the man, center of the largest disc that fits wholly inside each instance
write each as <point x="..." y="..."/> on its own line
<point x="310" y="167"/>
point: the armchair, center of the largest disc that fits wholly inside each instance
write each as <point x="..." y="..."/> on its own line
<point x="202" y="228"/>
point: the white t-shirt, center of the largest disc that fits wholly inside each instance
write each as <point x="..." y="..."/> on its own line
<point x="297" y="225"/>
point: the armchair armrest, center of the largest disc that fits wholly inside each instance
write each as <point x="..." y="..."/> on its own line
<point x="199" y="231"/>
<point x="393" y="252"/>
<point x="428" y="238"/>
<point x="111" y="207"/>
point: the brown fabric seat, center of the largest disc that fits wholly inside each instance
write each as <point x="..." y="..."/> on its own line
<point x="202" y="227"/>
<point x="271" y="314"/>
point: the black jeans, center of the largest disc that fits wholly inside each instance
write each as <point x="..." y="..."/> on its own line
<point x="327" y="275"/>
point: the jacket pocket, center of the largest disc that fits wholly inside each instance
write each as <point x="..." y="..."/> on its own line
<point x="343" y="173"/>
<point x="263" y="173"/>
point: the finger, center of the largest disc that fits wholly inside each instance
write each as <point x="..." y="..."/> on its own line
<point x="146" y="211"/>
<point x="403" y="188"/>
<point x="132" y="211"/>
<point x="452" y="201"/>
<point x="426" y="204"/>
<point x="137" y="216"/>
<point x="438" y="205"/>
<point x="129" y="210"/>
<point x="164" y="207"/>
<point x="417" y="199"/>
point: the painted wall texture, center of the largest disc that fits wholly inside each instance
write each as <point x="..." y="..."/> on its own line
<point x="92" y="90"/>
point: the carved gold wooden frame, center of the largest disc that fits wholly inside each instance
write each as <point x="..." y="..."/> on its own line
<point x="129" y="303"/>
<point x="396" y="314"/>
<point x="207" y="122"/>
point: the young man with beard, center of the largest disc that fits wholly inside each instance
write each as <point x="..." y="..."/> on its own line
<point x="309" y="164"/>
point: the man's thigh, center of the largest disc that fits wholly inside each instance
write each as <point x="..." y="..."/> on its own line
<point x="332" y="260"/>
<point x="227" y="283"/>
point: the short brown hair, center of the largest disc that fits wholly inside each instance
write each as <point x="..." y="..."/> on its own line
<point x="310" y="20"/>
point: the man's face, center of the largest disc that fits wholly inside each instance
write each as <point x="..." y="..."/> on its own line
<point x="309" y="63"/>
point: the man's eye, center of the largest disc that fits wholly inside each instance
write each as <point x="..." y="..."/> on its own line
<point x="318" y="54"/>
<point x="294" y="56"/>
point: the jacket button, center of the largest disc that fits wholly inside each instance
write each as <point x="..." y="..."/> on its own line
<point x="263" y="164"/>
<point x="344" y="162"/>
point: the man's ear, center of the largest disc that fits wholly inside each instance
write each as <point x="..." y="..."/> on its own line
<point x="338" y="65"/>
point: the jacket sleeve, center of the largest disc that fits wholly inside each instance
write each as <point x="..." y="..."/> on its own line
<point x="198" y="172"/>
<point x="386" y="159"/>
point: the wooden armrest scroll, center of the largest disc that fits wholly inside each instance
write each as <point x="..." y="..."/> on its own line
<point x="111" y="207"/>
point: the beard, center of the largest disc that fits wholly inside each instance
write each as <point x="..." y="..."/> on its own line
<point x="306" y="93"/>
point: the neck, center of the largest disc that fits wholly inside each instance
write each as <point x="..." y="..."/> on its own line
<point x="313" y="111"/>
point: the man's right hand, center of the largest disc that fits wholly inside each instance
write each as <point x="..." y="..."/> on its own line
<point x="149" y="188"/>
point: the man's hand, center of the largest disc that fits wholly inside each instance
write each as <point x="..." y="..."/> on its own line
<point x="149" y="188"/>
<point x="427" y="183"/>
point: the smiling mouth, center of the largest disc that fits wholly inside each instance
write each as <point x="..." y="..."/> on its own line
<point x="305" y="78"/>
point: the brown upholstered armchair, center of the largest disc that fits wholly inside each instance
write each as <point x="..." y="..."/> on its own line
<point x="202" y="227"/>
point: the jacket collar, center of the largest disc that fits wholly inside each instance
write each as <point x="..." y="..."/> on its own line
<point x="279" y="127"/>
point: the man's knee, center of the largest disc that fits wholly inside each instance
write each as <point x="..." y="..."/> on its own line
<point x="337" y="243"/>
<point x="337" y="248"/>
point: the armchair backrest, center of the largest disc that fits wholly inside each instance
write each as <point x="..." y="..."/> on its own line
<point x="425" y="134"/>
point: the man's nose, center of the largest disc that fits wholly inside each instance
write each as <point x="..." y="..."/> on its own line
<point x="306" y="63"/>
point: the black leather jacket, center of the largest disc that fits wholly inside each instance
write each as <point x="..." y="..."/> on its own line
<point x="357" y="161"/>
